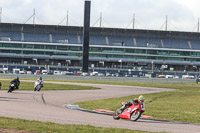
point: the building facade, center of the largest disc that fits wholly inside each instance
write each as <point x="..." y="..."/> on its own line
<point x="109" y="47"/>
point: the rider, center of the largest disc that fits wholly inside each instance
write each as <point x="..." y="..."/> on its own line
<point x="133" y="101"/>
<point x="16" y="82"/>
<point x="41" y="81"/>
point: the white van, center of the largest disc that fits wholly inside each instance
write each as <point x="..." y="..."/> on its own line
<point x="16" y="70"/>
<point x="57" y="73"/>
<point x="44" y="72"/>
<point x="187" y="77"/>
<point x="94" y="73"/>
<point x="169" y="76"/>
<point x="21" y="72"/>
<point x="28" y="72"/>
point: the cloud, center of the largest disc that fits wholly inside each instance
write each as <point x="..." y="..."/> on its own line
<point x="117" y="13"/>
<point x="149" y="13"/>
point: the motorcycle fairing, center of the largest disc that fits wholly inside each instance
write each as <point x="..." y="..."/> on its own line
<point x="128" y="111"/>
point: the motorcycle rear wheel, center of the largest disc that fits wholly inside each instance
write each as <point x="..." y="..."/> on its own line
<point x="135" y="116"/>
<point x="116" y="114"/>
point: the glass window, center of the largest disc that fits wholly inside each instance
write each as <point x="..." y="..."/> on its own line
<point x="140" y="51"/>
<point x="74" y="48"/>
<point x="62" y="47"/>
<point x="151" y="57"/>
<point x="184" y="53"/>
<point x="48" y="53"/>
<point x="129" y="56"/>
<point x="50" y="47"/>
<point x="60" y="53"/>
<point x="71" y="54"/>
<point x="8" y="45"/>
<point x="161" y="52"/>
<point x="38" y="52"/>
<point x="39" y="46"/>
<point x="117" y="50"/>
<point x="11" y="51"/>
<point x="151" y="52"/>
<point x="117" y="56"/>
<point x="79" y="54"/>
<point x="140" y="57"/>
<point x="28" y="52"/>
<point x="129" y="50"/>
<point x="29" y="46"/>
<point x="174" y="53"/>
<point x="94" y="49"/>
<point x="195" y="54"/>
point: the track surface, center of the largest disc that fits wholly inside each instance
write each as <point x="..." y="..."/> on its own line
<point x="46" y="106"/>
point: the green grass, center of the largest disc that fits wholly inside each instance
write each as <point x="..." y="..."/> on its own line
<point x="181" y="105"/>
<point x="47" y="127"/>
<point x="47" y="86"/>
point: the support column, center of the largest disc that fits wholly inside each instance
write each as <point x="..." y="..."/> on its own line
<point x="86" y="37"/>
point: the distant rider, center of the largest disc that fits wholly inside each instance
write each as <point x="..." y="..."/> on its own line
<point x="197" y="79"/>
<point x="40" y="81"/>
<point x="133" y="101"/>
<point x="16" y="82"/>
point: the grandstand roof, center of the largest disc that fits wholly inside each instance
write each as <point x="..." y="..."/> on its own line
<point x="99" y="31"/>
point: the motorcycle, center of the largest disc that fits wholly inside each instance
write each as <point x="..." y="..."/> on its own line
<point x="37" y="86"/>
<point x="12" y="87"/>
<point x="132" y="112"/>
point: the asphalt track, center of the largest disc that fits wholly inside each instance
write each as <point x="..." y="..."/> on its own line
<point x="47" y="106"/>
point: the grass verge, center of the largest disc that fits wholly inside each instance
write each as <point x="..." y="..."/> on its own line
<point x="47" y="127"/>
<point x="47" y="86"/>
<point x="181" y="105"/>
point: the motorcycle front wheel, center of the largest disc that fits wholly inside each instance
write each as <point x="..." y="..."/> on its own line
<point x="116" y="114"/>
<point x="135" y="116"/>
<point x="37" y="88"/>
<point x="10" y="89"/>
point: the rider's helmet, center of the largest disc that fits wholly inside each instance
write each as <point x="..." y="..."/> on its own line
<point x="141" y="98"/>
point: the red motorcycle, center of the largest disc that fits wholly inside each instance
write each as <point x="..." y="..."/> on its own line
<point x="133" y="112"/>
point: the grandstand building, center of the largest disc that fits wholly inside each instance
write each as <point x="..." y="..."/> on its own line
<point x="109" y="47"/>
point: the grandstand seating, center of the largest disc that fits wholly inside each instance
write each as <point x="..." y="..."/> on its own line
<point x="65" y="38"/>
<point x="120" y="41"/>
<point x="97" y="40"/>
<point x="36" y="37"/>
<point x="100" y="40"/>
<point x="148" y="42"/>
<point x="14" y="36"/>
<point x="195" y="44"/>
<point x="176" y="43"/>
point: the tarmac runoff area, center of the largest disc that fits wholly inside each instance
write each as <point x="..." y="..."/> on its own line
<point x="48" y="106"/>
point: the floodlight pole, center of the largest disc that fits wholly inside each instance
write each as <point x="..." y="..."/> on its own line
<point x="166" y="24"/>
<point x="33" y="16"/>
<point x="134" y="21"/>
<point x="67" y="18"/>
<point x="86" y="36"/>
<point x="198" y="26"/>
<point x="100" y="19"/>
<point x="0" y="13"/>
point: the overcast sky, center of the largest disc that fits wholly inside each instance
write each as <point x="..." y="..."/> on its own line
<point x="149" y="14"/>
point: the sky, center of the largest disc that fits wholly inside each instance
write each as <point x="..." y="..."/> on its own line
<point x="182" y="15"/>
